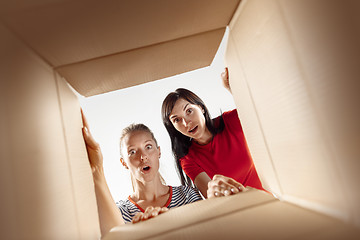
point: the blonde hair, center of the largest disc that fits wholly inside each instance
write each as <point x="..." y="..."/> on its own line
<point x="134" y="128"/>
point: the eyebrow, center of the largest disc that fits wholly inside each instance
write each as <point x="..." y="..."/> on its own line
<point x="131" y="147"/>
<point x="173" y="116"/>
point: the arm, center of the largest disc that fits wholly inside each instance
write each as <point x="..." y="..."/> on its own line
<point x="218" y="186"/>
<point x="225" y="79"/>
<point x="201" y="182"/>
<point x="109" y="214"/>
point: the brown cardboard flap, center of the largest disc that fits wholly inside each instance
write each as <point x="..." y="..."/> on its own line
<point x="143" y="65"/>
<point x="65" y="32"/>
<point x="181" y="218"/>
<point x="250" y="215"/>
<point x="103" y="46"/>
<point x="294" y="74"/>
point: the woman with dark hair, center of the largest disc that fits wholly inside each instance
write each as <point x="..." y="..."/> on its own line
<point x="208" y="149"/>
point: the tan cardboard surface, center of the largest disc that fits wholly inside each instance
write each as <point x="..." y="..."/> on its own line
<point x="8" y="199"/>
<point x="40" y="180"/>
<point x="298" y="66"/>
<point x="329" y="54"/>
<point x="78" y="163"/>
<point x="143" y="65"/>
<point x="65" y="32"/>
<point x="38" y="188"/>
<point x="236" y="217"/>
<point x="250" y="121"/>
<point x="182" y="218"/>
<point x="78" y="36"/>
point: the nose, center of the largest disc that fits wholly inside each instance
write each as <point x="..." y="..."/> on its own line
<point x="185" y="122"/>
<point x="144" y="156"/>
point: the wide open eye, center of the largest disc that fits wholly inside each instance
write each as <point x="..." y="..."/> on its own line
<point x="131" y="152"/>
<point x="149" y="146"/>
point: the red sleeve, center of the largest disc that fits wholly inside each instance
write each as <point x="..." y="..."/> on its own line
<point x="231" y="120"/>
<point x="190" y="167"/>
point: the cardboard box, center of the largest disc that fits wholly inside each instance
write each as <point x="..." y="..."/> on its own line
<point x="294" y="77"/>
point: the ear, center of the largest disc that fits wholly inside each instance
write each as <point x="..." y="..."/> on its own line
<point x="123" y="163"/>
<point x="159" y="151"/>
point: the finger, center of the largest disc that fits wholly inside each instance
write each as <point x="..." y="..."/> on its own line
<point x="225" y="187"/>
<point x="137" y="217"/>
<point x="156" y="211"/>
<point x="164" y="209"/>
<point x="149" y="209"/>
<point x="218" y="192"/>
<point x="89" y="139"/>
<point x="235" y="184"/>
<point x="84" y="120"/>
<point x="144" y="217"/>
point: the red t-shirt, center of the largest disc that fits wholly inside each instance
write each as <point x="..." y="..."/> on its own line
<point x="227" y="154"/>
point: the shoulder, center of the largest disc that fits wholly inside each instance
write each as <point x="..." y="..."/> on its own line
<point x="231" y="120"/>
<point x="230" y="115"/>
<point x="124" y="205"/>
<point x="127" y="209"/>
<point x="187" y="191"/>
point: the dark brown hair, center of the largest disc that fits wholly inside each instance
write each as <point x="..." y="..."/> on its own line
<point x="180" y="143"/>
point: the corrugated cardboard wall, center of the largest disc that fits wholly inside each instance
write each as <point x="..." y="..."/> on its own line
<point x="296" y="63"/>
<point x="46" y="187"/>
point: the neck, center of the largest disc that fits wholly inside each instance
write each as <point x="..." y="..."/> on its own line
<point x="205" y="138"/>
<point x="149" y="191"/>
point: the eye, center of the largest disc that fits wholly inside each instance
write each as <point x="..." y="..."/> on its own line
<point x="149" y="146"/>
<point x="189" y="110"/>
<point x="131" y="152"/>
<point x="176" y="120"/>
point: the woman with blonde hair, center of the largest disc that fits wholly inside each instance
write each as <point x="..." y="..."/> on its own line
<point x="140" y="154"/>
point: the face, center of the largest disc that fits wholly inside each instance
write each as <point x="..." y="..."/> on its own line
<point x="141" y="155"/>
<point x="189" y="119"/>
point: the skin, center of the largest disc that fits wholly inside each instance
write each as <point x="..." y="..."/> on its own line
<point x="140" y="151"/>
<point x="109" y="214"/>
<point x="225" y="79"/>
<point x="189" y="119"/>
<point x="186" y="117"/>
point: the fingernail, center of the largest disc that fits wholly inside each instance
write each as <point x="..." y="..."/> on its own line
<point x="216" y="194"/>
<point x="232" y="190"/>
<point x="226" y="192"/>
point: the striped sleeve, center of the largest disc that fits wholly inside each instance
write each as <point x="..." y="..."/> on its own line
<point x="184" y="195"/>
<point x="128" y="210"/>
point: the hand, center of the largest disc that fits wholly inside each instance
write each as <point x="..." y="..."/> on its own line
<point x="150" y="212"/>
<point x="223" y="186"/>
<point x="225" y="79"/>
<point x="93" y="148"/>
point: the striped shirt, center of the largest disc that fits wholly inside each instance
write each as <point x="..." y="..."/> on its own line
<point x="179" y="196"/>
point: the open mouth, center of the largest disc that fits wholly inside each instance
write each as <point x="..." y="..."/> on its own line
<point x="193" y="130"/>
<point x="146" y="168"/>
